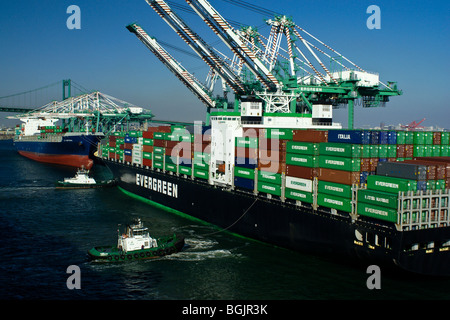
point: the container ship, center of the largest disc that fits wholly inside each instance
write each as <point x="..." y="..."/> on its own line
<point x="272" y="165"/>
<point x="67" y="132"/>
<point x="41" y="140"/>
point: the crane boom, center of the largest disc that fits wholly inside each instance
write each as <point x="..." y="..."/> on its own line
<point x="198" y="45"/>
<point x="227" y="34"/>
<point x="173" y="65"/>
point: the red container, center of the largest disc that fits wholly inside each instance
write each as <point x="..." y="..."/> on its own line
<point x="112" y="144"/>
<point x="401" y="151"/>
<point x="409" y="151"/>
<point x="147" y="148"/>
<point x="271" y="166"/>
<point x="310" y="135"/>
<point x="159" y="143"/>
<point x="365" y="164"/>
<point x="272" y="144"/>
<point x="147" y="162"/>
<point x="242" y="152"/>
<point x="339" y="176"/>
<point x="252" y="132"/>
<point x="127" y="158"/>
<point x="301" y="172"/>
<point x="128" y="146"/>
<point x="147" y="134"/>
<point x="436" y="138"/>
<point x="272" y="155"/>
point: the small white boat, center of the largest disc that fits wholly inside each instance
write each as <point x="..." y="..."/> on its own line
<point x="82" y="181"/>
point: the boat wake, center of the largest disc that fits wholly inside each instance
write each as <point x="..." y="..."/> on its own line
<point x="200" y="250"/>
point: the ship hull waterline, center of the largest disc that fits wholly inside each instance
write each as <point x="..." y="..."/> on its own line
<point x="286" y="224"/>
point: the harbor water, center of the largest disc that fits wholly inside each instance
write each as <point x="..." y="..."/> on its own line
<point x="44" y="231"/>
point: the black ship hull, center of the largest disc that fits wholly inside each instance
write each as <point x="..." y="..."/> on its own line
<point x="288" y="225"/>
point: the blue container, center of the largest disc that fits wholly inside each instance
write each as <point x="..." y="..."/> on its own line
<point x="375" y="137"/>
<point x="384" y="137"/>
<point x="127" y="152"/>
<point x="349" y="136"/>
<point x="130" y="139"/>
<point x="363" y="176"/>
<point x="244" y="183"/>
<point x="422" y="185"/>
<point x="382" y="159"/>
<point x="246" y="162"/>
<point x="392" y="137"/>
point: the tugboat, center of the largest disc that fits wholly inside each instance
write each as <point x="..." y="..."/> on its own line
<point x="137" y="244"/>
<point x="83" y="181"/>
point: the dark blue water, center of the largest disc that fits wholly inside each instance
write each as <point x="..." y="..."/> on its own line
<point x="43" y="231"/>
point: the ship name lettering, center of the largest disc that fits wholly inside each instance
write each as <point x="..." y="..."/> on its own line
<point x="161" y="186"/>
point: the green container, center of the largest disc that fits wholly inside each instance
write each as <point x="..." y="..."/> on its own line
<point x="340" y="163"/>
<point x="373" y="151"/>
<point x="428" y="137"/>
<point x="428" y="150"/>
<point x="419" y="137"/>
<point x="445" y="138"/>
<point x="135" y="133"/>
<point x="147" y="155"/>
<point x="185" y="170"/>
<point x="365" y="151"/>
<point x="383" y="151"/>
<point x="308" y="148"/>
<point x="202" y="174"/>
<point x="440" y="184"/>
<point x="147" y="142"/>
<point x="120" y="141"/>
<point x="435" y="150"/>
<point x="201" y="165"/>
<point x="336" y="189"/>
<point x="269" y="188"/>
<point x="391" y="151"/>
<point x="302" y="160"/>
<point x="401" y="137"/>
<point x="431" y="184"/>
<point x="160" y="150"/>
<point x="270" y="177"/>
<point x="390" y="184"/>
<point x="244" y="173"/>
<point x="340" y="149"/>
<point x="158" y="157"/>
<point x="279" y="133"/>
<point x="378" y="198"/>
<point x="409" y="137"/>
<point x="159" y="135"/>
<point x="158" y="164"/>
<point x="335" y="202"/>
<point x="419" y="150"/>
<point x="247" y="142"/>
<point x="299" y="195"/>
<point x="171" y="167"/>
<point x="377" y="212"/>
<point x="445" y="150"/>
<point x="200" y="156"/>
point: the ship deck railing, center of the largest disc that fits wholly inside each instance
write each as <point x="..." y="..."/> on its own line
<point x="423" y="209"/>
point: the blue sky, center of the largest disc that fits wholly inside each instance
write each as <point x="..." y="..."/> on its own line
<point x="412" y="47"/>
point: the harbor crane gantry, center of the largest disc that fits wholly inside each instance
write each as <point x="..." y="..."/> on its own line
<point x="286" y="79"/>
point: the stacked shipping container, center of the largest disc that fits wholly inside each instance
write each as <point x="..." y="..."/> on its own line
<point x="299" y="164"/>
